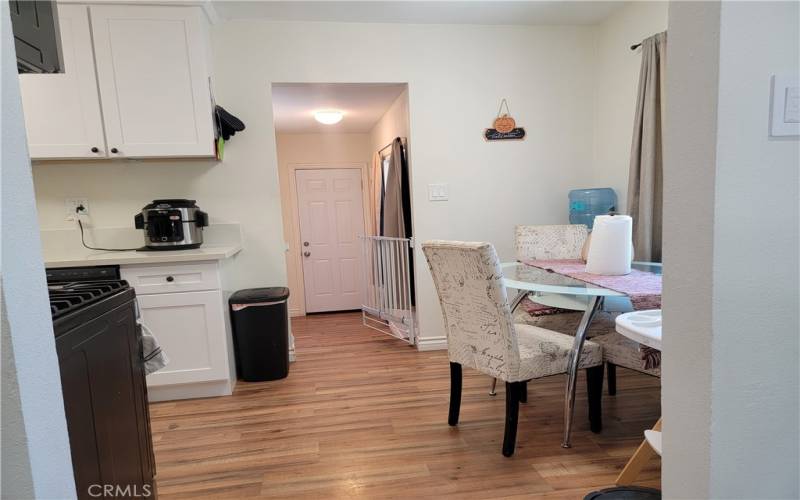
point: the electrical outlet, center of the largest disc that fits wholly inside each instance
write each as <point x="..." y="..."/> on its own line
<point x="71" y="204"/>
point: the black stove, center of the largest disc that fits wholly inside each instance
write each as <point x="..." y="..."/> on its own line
<point x="66" y="298"/>
<point x="80" y="294"/>
<point x="99" y="348"/>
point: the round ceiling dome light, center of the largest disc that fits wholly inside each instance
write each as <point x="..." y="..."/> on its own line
<point x="328" y="117"/>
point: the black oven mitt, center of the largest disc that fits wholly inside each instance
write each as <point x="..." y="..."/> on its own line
<point x="227" y="124"/>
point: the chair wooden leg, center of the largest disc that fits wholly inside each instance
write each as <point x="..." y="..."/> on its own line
<point x="637" y="461"/>
<point x="523" y="395"/>
<point x="594" y="388"/>
<point x="612" y="379"/>
<point x="455" y="393"/>
<point x="513" y="391"/>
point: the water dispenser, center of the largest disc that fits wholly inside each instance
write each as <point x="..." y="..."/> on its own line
<point x="585" y="204"/>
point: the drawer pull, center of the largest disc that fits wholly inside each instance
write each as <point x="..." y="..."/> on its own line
<point x="170" y="279"/>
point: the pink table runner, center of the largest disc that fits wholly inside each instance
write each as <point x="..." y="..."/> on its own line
<point x="642" y="287"/>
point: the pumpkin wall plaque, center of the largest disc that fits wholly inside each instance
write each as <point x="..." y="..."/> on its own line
<point x="505" y="128"/>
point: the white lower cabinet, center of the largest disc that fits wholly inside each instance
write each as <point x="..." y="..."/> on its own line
<point x="191" y="328"/>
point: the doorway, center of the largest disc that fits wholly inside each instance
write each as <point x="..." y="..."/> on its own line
<point x="331" y="217"/>
<point x="314" y="147"/>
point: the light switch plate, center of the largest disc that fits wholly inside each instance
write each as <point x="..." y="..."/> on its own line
<point x="785" y="116"/>
<point x="438" y="192"/>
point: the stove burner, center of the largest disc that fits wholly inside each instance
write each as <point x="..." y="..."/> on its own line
<point x="68" y="297"/>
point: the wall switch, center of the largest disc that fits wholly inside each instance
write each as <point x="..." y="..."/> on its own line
<point x="71" y="204"/>
<point x="785" y="113"/>
<point x="438" y="192"/>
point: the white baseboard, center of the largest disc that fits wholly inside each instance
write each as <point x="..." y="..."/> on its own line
<point x="431" y="343"/>
<point x="190" y="391"/>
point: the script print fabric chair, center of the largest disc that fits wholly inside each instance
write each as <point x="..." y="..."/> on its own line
<point x="567" y="241"/>
<point x="550" y="242"/>
<point x="482" y="335"/>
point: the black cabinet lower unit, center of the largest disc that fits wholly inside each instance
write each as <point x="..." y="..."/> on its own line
<point x="105" y="395"/>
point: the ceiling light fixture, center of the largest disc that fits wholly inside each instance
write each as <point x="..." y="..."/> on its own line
<point x="328" y="117"/>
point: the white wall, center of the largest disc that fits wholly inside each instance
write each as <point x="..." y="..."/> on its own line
<point x="456" y="79"/>
<point x="730" y="378"/>
<point x="324" y="150"/>
<point x="616" y="85"/>
<point x="393" y="123"/>
<point x="756" y="343"/>
<point x="36" y="454"/>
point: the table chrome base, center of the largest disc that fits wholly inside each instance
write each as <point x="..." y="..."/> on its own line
<point x="595" y="303"/>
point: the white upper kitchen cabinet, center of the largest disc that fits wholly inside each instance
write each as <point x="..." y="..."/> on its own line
<point x="62" y="111"/>
<point x="154" y="80"/>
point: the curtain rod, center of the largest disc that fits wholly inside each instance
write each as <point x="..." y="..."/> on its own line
<point x="636" y="46"/>
<point x="402" y="141"/>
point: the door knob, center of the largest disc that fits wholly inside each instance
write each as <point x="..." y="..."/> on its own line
<point x="95" y="150"/>
<point x="114" y="150"/>
<point x="307" y="254"/>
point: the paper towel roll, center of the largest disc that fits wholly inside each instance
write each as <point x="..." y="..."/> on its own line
<point x="610" y="251"/>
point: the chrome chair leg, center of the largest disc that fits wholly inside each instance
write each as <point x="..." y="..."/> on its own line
<point x="492" y="390"/>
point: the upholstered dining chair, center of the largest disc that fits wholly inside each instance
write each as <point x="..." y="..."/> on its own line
<point x="550" y="242"/>
<point x="482" y="335"/>
<point x="567" y="241"/>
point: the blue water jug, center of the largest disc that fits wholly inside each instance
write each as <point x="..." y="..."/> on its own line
<point x="585" y="204"/>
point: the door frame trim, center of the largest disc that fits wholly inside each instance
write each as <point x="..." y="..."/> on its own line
<point x="293" y="252"/>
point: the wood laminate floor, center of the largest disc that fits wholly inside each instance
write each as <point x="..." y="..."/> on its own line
<point x="362" y="415"/>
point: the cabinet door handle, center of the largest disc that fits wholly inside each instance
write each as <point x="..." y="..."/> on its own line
<point x="170" y="279"/>
<point x="114" y="150"/>
<point x="95" y="150"/>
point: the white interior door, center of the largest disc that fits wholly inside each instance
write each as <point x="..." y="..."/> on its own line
<point x="331" y="220"/>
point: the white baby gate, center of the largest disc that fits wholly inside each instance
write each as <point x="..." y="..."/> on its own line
<point x="387" y="286"/>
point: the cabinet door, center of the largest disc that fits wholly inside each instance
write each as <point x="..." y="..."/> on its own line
<point x="62" y="110"/>
<point x="153" y="80"/>
<point x="190" y="326"/>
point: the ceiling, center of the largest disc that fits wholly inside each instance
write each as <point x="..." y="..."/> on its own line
<point x="363" y="104"/>
<point x="424" y="12"/>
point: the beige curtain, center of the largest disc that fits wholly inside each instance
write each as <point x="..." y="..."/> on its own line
<point x="374" y="187"/>
<point x="393" y="217"/>
<point x="645" y="181"/>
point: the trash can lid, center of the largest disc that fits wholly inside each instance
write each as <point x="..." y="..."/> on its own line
<point x="255" y="295"/>
<point x="625" y="492"/>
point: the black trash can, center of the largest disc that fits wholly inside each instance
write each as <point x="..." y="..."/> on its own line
<point x="625" y="493"/>
<point x="260" y="322"/>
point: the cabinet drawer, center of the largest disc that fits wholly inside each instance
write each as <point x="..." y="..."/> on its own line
<point x="169" y="278"/>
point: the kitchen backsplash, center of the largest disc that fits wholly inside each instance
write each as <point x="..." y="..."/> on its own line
<point x="68" y="241"/>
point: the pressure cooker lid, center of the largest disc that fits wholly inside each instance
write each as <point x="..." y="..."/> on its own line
<point x="173" y="203"/>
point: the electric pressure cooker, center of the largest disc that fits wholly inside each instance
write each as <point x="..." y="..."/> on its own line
<point x="172" y="224"/>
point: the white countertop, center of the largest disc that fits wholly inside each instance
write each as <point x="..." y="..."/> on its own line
<point x="100" y="258"/>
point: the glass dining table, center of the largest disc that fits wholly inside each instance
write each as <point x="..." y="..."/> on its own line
<point x="556" y="290"/>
